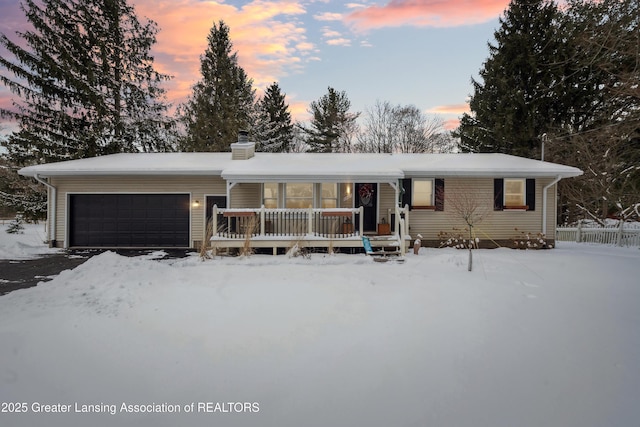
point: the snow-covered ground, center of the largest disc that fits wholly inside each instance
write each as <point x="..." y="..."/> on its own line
<point x="529" y="338"/>
<point x="29" y="244"/>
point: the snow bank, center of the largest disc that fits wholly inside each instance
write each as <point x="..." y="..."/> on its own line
<point x="28" y="245"/>
<point x="544" y="338"/>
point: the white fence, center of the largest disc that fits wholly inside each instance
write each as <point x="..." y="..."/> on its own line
<point x="617" y="235"/>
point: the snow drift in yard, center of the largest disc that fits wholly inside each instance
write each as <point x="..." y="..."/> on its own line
<point x="27" y="245"/>
<point x="546" y="338"/>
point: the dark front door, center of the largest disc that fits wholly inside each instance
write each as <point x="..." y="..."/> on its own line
<point x="367" y="198"/>
<point x="129" y="220"/>
<point x="221" y="203"/>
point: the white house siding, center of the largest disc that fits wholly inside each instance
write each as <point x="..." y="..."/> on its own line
<point x="246" y="196"/>
<point x="197" y="186"/>
<point x="496" y="225"/>
<point x="386" y="202"/>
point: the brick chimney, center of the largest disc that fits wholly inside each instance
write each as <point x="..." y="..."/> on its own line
<point x="243" y="149"/>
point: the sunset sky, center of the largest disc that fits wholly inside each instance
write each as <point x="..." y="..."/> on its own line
<point x="419" y="52"/>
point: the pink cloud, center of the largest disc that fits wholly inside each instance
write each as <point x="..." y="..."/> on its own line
<point x="451" y="124"/>
<point x="269" y="42"/>
<point x="426" y="13"/>
<point x="450" y="109"/>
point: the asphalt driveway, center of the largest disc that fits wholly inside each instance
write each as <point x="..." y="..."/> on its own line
<point x="20" y="274"/>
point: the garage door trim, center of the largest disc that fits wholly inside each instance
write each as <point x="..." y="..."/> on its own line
<point x="68" y="214"/>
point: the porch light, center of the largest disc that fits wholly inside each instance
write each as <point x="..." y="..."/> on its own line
<point x="196" y="204"/>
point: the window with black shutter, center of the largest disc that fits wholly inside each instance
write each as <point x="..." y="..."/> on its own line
<point x="514" y="193"/>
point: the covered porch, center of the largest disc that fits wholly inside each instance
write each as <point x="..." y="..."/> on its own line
<point x="312" y="228"/>
<point x="318" y="201"/>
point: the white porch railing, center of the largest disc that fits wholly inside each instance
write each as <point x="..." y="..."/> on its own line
<point x="329" y="223"/>
<point x="618" y="235"/>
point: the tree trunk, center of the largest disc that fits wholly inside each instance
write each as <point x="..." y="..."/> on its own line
<point x="470" y="251"/>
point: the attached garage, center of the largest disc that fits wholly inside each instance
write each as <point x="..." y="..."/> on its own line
<point x="129" y="220"/>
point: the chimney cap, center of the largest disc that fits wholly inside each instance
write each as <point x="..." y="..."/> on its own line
<point x="243" y="136"/>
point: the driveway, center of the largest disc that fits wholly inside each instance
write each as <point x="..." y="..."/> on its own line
<point x="20" y="274"/>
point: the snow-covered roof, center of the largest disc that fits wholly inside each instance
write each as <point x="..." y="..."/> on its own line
<point x="136" y="164"/>
<point x="265" y="167"/>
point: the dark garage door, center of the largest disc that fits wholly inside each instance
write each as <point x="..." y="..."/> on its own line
<point x="129" y="220"/>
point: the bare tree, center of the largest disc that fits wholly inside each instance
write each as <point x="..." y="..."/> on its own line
<point x="416" y="131"/>
<point x="378" y="134"/>
<point x="470" y="207"/>
<point x="399" y="129"/>
<point x="610" y="159"/>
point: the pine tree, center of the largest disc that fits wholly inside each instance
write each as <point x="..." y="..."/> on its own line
<point x="222" y="102"/>
<point x="606" y="145"/>
<point x="332" y="125"/>
<point x="521" y="94"/>
<point x="86" y="82"/>
<point x="20" y="194"/>
<point x="273" y="130"/>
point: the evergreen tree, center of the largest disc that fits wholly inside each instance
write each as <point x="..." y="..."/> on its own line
<point x="332" y="125"/>
<point x="19" y="194"/>
<point x="522" y="93"/>
<point x="273" y="130"/>
<point x="86" y="82"/>
<point x="607" y="143"/>
<point x="222" y="102"/>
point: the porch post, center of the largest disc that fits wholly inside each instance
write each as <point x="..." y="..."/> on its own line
<point x="361" y="225"/>
<point x="406" y="219"/>
<point x="310" y="219"/>
<point x="214" y="221"/>
<point x="262" y="220"/>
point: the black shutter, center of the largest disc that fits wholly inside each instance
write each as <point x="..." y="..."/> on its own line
<point x="406" y="196"/>
<point x="498" y="188"/>
<point x="439" y="196"/>
<point x="530" y="195"/>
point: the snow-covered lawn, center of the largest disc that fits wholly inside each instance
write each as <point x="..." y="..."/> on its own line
<point x="547" y="338"/>
<point x="27" y="245"/>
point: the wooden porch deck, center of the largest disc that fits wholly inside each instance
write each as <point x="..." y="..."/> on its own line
<point x="281" y="229"/>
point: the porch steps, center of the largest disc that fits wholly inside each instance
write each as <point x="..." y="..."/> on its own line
<point x="385" y="242"/>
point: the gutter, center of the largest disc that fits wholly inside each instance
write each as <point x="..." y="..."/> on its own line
<point x="53" y="207"/>
<point x="544" y="203"/>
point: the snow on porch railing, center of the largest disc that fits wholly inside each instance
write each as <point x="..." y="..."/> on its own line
<point x="619" y="235"/>
<point x="330" y="223"/>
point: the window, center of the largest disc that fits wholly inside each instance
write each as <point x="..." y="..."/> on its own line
<point x="422" y="193"/>
<point x="299" y="195"/>
<point x="329" y="195"/>
<point x="270" y="195"/>
<point x="514" y="193"/>
<point x="346" y="190"/>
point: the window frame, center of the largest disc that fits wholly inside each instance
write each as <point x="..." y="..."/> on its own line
<point x="523" y="195"/>
<point x="276" y="198"/>
<point x="432" y="196"/>
<point x="335" y="199"/>
<point x="287" y="198"/>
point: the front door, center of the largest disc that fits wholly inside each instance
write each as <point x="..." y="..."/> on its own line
<point x="367" y="198"/>
<point x="221" y="202"/>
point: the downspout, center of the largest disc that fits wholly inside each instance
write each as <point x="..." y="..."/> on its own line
<point x="544" y="204"/>
<point x="52" y="207"/>
<point x="230" y="185"/>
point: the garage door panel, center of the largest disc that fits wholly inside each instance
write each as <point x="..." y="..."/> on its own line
<point x="129" y="220"/>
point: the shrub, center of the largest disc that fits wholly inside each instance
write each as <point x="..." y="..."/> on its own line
<point x="458" y="239"/>
<point x="17" y="225"/>
<point x="526" y="240"/>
